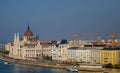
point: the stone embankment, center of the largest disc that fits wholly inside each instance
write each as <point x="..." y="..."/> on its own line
<point x="42" y="63"/>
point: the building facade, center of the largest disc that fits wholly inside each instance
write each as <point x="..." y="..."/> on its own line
<point x="28" y="47"/>
<point x="78" y="54"/>
<point x="84" y="54"/>
<point x="46" y="49"/>
<point x="54" y="52"/>
<point x="95" y="55"/>
<point x="110" y="55"/>
<point x="59" y="52"/>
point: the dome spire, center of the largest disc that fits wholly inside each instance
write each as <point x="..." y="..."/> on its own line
<point x="28" y="32"/>
<point x="28" y="27"/>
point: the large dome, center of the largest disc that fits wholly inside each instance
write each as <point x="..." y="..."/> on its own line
<point x="28" y="32"/>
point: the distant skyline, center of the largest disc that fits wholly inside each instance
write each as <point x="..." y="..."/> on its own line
<point x="57" y="19"/>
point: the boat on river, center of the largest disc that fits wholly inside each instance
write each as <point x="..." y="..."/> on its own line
<point x="72" y="68"/>
<point x="91" y="67"/>
<point x="5" y="62"/>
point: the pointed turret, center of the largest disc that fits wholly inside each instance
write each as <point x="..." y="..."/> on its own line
<point x="37" y="37"/>
<point x="18" y="37"/>
<point x="15" y="37"/>
<point x="38" y="44"/>
<point x="28" y="28"/>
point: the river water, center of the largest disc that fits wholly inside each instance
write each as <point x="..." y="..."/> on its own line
<point x="17" y="68"/>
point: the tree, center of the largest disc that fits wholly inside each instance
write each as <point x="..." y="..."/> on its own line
<point x="117" y="66"/>
<point x="109" y="65"/>
<point x="4" y="52"/>
<point x="47" y="57"/>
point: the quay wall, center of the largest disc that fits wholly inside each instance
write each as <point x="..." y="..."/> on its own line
<point x="34" y="63"/>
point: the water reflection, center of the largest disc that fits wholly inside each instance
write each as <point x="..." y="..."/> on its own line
<point x="112" y="70"/>
<point x="55" y="70"/>
<point x="28" y="69"/>
<point x="106" y="70"/>
<point x="33" y="69"/>
<point x="89" y="72"/>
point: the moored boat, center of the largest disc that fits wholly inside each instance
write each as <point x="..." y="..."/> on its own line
<point x="72" y="68"/>
<point x="91" y="67"/>
<point x="5" y="62"/>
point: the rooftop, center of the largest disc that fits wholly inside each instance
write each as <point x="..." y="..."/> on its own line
<point x="111" y="48"/>
<point x="64" y="42"/>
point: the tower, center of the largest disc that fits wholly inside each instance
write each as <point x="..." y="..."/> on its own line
<point x="28" y="34"/>
<point x="15" y="37"/>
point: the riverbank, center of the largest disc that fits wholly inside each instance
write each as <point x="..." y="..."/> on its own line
<point x="51" y="64"/>
<point x="34" y="63"/>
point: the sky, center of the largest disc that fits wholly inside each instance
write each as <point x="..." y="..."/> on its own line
<point x="57" y="19"/>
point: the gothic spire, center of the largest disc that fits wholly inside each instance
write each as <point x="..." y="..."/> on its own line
<point x="28" y="32"/>
<point x="28" y="28"/>
<point x="37" y="36"/>
<point x="15" y="37"/>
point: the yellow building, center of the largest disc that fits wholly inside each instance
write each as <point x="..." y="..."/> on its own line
<point x="110" y="55"/>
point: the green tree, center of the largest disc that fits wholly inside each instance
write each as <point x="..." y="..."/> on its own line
<point x="109" y="65"/>
<point x="4" y="52"/>
<point x="117" y="66"/>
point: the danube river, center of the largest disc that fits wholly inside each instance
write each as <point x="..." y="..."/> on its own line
<point x="17" y="68"/>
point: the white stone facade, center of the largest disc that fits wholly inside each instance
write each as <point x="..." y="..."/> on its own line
<point x="54" y="52"/>
<point x="60" y="52"/>
<point x="24" y="51"/>
<point x="78" y="54"/>
<point x="84" y="54"/>
<point x="95" y="55"/>
<point x="28" y="47"/>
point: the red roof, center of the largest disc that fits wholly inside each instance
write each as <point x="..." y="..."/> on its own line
<point x="45" y="44"/>
<point x="33" y="40"/>
<point x="30" y="45"/>
<point x="28" y="32"/>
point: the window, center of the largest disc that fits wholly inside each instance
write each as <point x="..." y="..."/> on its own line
<point x="105" y="61"/>
<point x="106" y="58"/>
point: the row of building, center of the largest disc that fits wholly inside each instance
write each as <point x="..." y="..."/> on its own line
<point x="30" y="47"/>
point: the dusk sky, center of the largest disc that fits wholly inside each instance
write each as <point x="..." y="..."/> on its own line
<point x="56" y="19"/>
